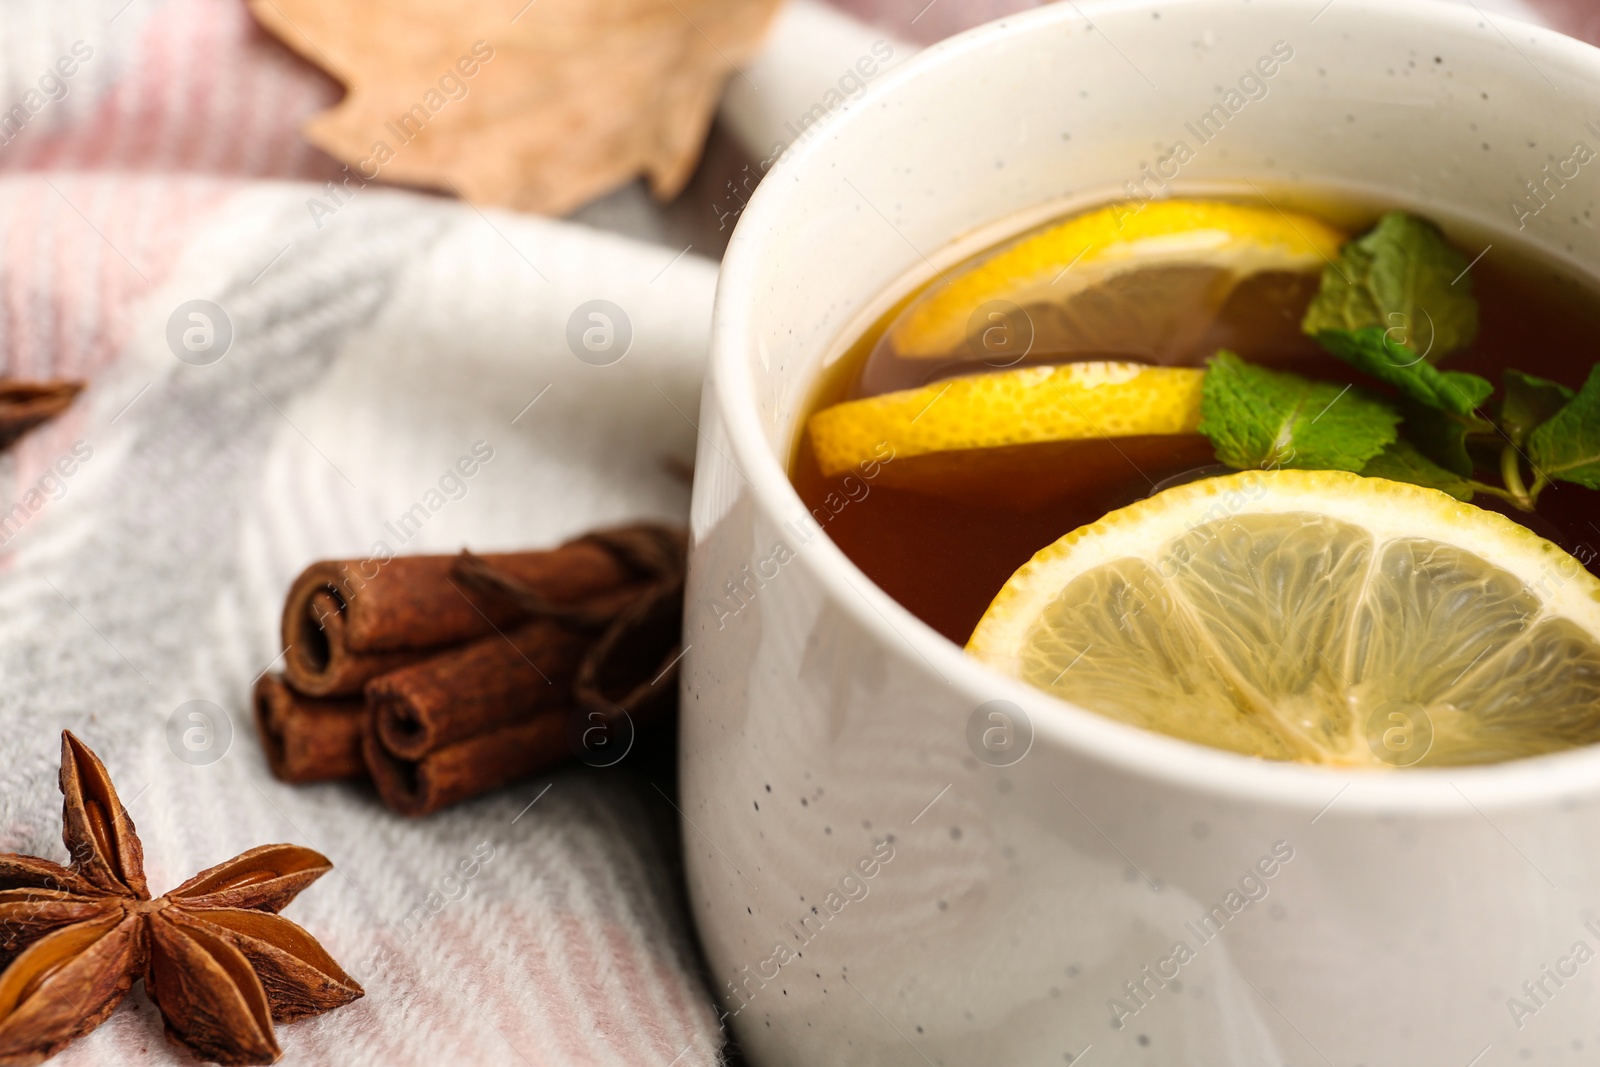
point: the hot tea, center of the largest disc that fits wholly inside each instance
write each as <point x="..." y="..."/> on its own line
<point x="1191" y="410"/>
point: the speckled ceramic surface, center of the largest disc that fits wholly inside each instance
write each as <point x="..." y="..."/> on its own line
<point x="872" y="886"/>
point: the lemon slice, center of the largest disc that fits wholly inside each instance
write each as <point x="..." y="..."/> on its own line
<point x="1026" y="405"/>
<point x="1119" y="279"/>
<point x="1316" y="616"/>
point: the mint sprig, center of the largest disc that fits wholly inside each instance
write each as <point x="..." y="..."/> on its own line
<point x="1403" y="277"/>
<point x="1529" y="402"/>
<point x="1566" y="447"/>
<point x="1441" y="436"/>
<point x="1396" y="301"/>
<point x="1372" y="349"/>
<point x="1258" y="418"/>
<point x="1401" y="462"/>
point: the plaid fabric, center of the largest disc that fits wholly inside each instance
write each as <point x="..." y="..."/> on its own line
<point x="149" y="157"/>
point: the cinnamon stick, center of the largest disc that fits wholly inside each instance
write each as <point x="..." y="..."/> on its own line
<point x="475" y="718"/>
<point x="308" y="739"/>
<point x="467" y="768"/>
<point x="446" y="677"/>
<point x="634" y="666"/>
<point x="653" y="553"/>
<point x="347" y="621"/>
<point x="480" y="686"/>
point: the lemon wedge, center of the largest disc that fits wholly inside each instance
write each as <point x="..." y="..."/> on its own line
<point x="1118" y="280"/>
<point x="1316" y="616"/>
<point x="1026" y="405"/>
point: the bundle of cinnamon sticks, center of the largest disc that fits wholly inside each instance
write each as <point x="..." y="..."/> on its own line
<point x="443" y="677"/>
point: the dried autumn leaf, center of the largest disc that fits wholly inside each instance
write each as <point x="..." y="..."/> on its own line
<point x="539" y="105"/>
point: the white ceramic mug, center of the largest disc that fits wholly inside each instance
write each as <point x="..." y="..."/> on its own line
<point x="881" y="873"/>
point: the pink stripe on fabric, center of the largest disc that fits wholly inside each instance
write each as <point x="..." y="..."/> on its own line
<point x="578" y="950"/>
<point x="246" y="112"/>
<point x="547" y="1034"/>
<point x="623" y="961"/>
<point x="624" y="949"/>
<point x="138" y="95"/>
<point x="74" y="311"/>
<point x="196" y="94"/>
<point x="552" y="933"/>
<point x="66" y="288"/>
<point x="549" y="981"/>
<point x="189" y="97"/>
<point x="276" y="139"/>
<point x="156" y="76"/>
<point x="635" y="875"/>
<point x="68" y="149"/>
<point x="23" y="288"/>
<point x="643" y="969"/>
<point x="675" y="982"/>
<point x="165" y="105"/>
<point x="110" y="120"/>
<point x="500" y="1004"/>
<point x="104" y="271"/>
<point x="558" y="1032"/>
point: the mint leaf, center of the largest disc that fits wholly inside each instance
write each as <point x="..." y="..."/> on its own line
<point x="1404" y="277"/>
<point x="1566" y="447"/>
<point x="1439" y="435"/>
<point x="1529" y="401"/>
<point x="1401" y="462"/>
<point x="1374" y="351"/>
<point x="1257" y="418"/>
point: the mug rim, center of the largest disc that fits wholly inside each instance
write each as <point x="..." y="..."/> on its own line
<point x="1509" y="785"/>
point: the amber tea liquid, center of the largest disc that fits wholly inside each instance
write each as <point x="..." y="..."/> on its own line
<point x="944" y="548"/>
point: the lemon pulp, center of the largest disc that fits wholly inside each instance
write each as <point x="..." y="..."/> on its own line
<point x="1120" y="279"/>
<point x="1026" y="405"/>
<point x="1316" y="616"/>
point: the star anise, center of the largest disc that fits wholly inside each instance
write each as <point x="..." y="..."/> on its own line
<point x="214" y="955"/>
